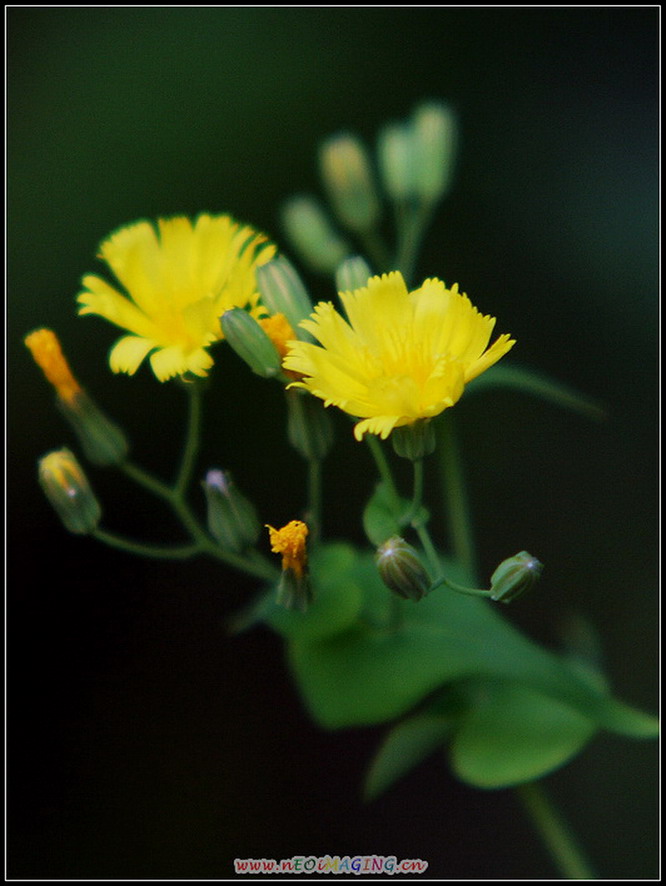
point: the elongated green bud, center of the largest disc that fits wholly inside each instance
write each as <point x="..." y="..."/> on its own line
<point x="232" y="519"/>
<point x="311" y="232"/>
<point x="309" y="427"/>
<point x="67" y="489"/>
<point x="283" y="292"/>
<point x="250" y="342"/>
<point x="397" y="161"/>
<point x="514" y="577"/>
<point x="353" y="273"/>
<point x="102" y="441"/>
<point x="435" y="133"/>
<point x="401" y="569"/>
<point x="349" y="181"/>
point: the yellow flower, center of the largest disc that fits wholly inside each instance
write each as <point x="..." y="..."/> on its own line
<point x="290" y="541"/>
<point x="401" y="356"/>
<point x="179" y="278"/>
<point x="47" y="354"/>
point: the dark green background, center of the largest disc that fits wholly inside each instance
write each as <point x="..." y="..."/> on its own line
<point x="143" y="742"/>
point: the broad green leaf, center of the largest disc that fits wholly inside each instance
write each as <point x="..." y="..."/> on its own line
<point x="405" y="746"/>
<point x="394" y="653"/>
<point x="337" y="597"/>
<point x="507" y="375"/>
<point x="383" y="515"/>
<point x="512" y="734"/>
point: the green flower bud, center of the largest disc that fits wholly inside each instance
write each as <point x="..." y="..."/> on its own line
<point x="67" y="489"/>
<point x="309" y="427"/>
<point x="353" y="273"/>
<point x="283" y="292"/>
<point x="312" y="234"/>
<point x="348" y="178"/>
<point x="250" y="342"/>
<point x="232" y="519"/>
<point x="401" y="569"/>
<point x="435" y="134"/>
<point x="397" y="161"/>
<point x="514" y="577"/>
<point x="414" y="441"/>
<point x="102" y="441"/>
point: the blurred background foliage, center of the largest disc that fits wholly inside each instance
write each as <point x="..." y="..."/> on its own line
<point x="145" y="743"/>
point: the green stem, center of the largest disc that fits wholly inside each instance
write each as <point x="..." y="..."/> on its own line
<point x="314" y="498"/>
<point x="455" y="496"/>
<point x="555" y="833"/>
<point x="460" y="589"/>
<point x="191" y="448"/>
<point x="412" y="220"/>
<point x="383" y="467"/>
<point x="147" y="480"/>
<point x="376" y="250"/>
<point x="417" y="496"/>
<point x="157" y="552"/>
<point x="429" y="548"/>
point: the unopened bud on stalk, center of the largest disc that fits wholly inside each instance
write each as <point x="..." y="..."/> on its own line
<point x="435" y="134"/>
<point x="401" y="569"/>
<point x="247" y="338"/>
<point x="514" y="577"/>
<point x="312" y="234"/>
<point x="397" y="161"/>
<point x="348" y="178"/>
<point x="67" y="489"/>
<point x="283" y="292"/>
<point x="102" y="440"/>
<point x="353" y="273"/>
<point x="232" y="519"/>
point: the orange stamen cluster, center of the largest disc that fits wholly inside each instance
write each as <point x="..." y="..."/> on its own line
<point x="48" y="355"/>
<point x="290" y="541"/>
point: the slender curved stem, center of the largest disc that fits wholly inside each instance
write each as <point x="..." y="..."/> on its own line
<point x="383" y="466"/>
<point x="174" y="496"/>
<point x="417" y="495"/>
<point x="158" y="552"/>
<point x="314" y="498"/>
<point x="455" y="496"/>
<point x="191" y="447"/>
<point x="555" y="833"/>
<point x="376" y="250"/>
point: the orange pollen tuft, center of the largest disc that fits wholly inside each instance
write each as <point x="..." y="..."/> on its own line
<point x="47" y="354"/>
<point x="279" y="330"/>
<point x="290" y="542"/>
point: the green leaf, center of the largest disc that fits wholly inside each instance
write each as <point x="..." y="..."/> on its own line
<point x="506" y="375"/>
<point x="368" y="657"/>
<point x="384" y="515"/>
<point x="337" y="597"/>
<point x="512" y="734"/>
<point x="405" y="746"/>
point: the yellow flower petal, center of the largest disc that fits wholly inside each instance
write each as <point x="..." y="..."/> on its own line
<point x="128" y="353"/>
<point x="400" y="357"/>
<point x="179" y="277"/>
